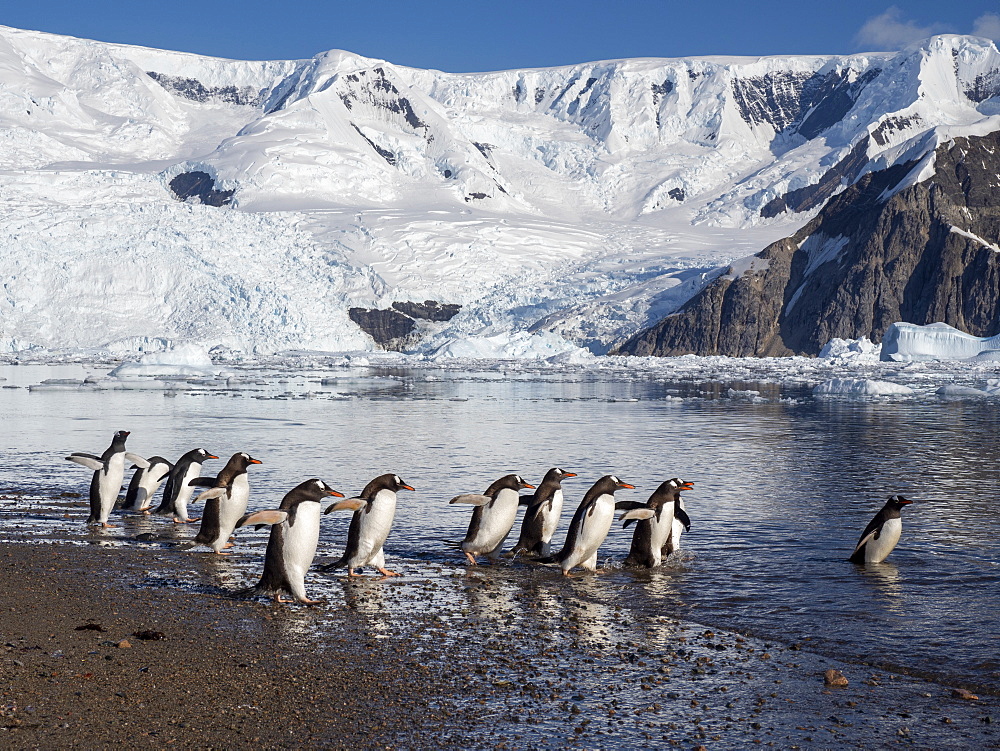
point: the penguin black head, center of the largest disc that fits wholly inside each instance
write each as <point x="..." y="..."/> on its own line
<point x="205" y="455"/>
<point x="557" y="474"/>
<point x="897" y="502"/>
<point x="121" y="435"/>
<point x="384" y="482"/>
<point x="619" y="483"/>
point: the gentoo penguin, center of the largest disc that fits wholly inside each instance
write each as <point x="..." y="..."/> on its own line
<point x="145" y="483"/>
<point x="177" y="492"/>
<point x="293" y="540"/>
<point x="109" y="472"/>
<point x="591" y="524"/>
<point x="659" y="536"/>
<point x="370" y="526"/>
<point x="492" y="518"/>
<point x="542" y="515"/>
<point x="882" y="533"/>
<point x="225" y="502"/>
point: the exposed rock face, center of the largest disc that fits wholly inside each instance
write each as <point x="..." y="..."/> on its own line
<point x="200" y="185"/>
<point x="196" y="91"/>
<point x="396" y="328"/>
<point x="876" y="254"/>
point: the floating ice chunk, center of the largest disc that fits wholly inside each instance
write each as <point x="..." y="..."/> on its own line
<point x="851" y="349"/>
<point x="182" y="360"/>
<point x="907" y="342"/>
<point x="513" y="346"/>
<point x="860" y="387"/>
<point x="955" y="391"/>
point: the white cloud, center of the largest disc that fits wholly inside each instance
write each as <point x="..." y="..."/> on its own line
<point x="987" y="25"/>
<point x="890" y="31"/>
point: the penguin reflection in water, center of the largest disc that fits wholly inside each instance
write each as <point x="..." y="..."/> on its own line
<point x="225" y="502"/>
<point x="882" y="533"/>
<point x="493" y="517"/>
<point x="657" y="537"/>
<point x="370" y="526"/>
<point x="109" y="472"/>
<point x="592" y="522"/>
<point x="294" y="536"/>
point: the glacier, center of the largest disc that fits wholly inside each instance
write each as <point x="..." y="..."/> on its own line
<point x="151" y="198"/>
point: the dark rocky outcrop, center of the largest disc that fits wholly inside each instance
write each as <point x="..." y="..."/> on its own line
<point x="200" y="185"/>
<point x="879" y="252"/>
<point x="196" y="91"/>
<point x="396" y="328"/>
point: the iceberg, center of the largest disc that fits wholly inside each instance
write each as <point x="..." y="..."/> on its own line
<point x="182" y="360"/>
<point x="861" y="387"/>
<point x="908" y="342"/>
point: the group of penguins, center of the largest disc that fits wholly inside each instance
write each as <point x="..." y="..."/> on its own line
<point x="294" y="536"/>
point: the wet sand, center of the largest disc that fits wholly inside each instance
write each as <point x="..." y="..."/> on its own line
<point x="232" y="672"/>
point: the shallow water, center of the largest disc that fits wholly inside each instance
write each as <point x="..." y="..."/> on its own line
<point x="783" y="487"/>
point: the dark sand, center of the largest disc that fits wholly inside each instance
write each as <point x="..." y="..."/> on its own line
<point x="234" y="673"/>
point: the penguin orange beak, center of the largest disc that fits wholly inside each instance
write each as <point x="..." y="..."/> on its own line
<point x="570" y="474"/>
<point x="335" y="493"/>
<point x="406" y="487"/>
<point x="626" y="485"/>
<point x="211" y="456"/>
<point x="256" y="461"/>
<point x="687" y="486"/>
<point x="528" y="485"/>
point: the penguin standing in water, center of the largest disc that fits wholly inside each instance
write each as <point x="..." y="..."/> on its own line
<point x="659" y="536"/>
<point x="493" y="517"/>
<point x="145" y="483"/>
<point x="542" y="515"/>
<point x="109" y="472"/>
<point x="294" y="536"/>
<point x="370" y="526"/>
<point x="178" y="490"/>
<point x="591" y="524"/>
<point x="882" y="533"/>
<point x="225" y="502"/>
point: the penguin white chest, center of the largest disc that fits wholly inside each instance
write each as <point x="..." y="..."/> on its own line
<point x="550" y="516"/>
<point x="876" y="551"/>
<point x="300" y="539"/>
<point x="676" y="530"/>
<point x="374" y="526"/>
<point x="185" y="491"/>
<point x="594" y="528"/>
<point x="495" y="522"/>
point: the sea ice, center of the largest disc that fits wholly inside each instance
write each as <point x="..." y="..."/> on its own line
<point x="907" y="342"/>
<point x="182" y="360"/>
<point x="860" y="387"/>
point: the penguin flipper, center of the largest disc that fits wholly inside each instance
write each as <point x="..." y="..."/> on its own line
<point x="873" y="535"/>
<point x="137" y="460"/>
<point x="87" y="460"/>
<point x="339" y="563"/>
<point x="202" y="482"/>
<point x="209" y="494"/>
<point x="270" y="516"/>
<point x="475" y="499"/>
<point x="681" y="516"/>
<point x="628" y="506"/>
<point x="636" y="514"/>
<point x="524" y="500"/>
<point x="349" y="504"/>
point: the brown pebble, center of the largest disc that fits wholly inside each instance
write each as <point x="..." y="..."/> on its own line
<point x="834" y="677"/>
<point x="124" y="644"/>
<point x="961" y="693"/>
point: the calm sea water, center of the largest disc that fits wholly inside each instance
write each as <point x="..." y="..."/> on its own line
<point x="783" y="488"/>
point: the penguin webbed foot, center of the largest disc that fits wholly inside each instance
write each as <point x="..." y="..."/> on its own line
<point x="387" y="573"/>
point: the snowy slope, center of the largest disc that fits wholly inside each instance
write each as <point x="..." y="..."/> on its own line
<point x="573" y="204"/>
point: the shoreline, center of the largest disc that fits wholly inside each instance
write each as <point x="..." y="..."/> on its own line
<point x="379" y="668"/>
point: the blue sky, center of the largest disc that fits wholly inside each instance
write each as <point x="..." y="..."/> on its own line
<point x="473" y="35"/>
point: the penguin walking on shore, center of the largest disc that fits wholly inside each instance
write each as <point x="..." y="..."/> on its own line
<point x="178" y="490"/>
<point x="657" y="537"/>
<point x="882" y="533"/>
<point x="370" y="526"/>
<point x="592" y="522"/>
<point x="109" y="473"/>
<point x="225" y="502"/>
<point x="145" y="482"/>
<point x="294" y="537"/>
<point x="493" y="517"/>
<point x="542" y="515"/>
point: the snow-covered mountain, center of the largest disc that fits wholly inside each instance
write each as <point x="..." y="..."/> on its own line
<point x="148" y="196"/>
